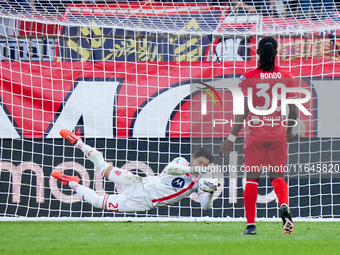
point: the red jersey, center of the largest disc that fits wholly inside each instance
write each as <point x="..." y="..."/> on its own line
<point x="270" y="127"/>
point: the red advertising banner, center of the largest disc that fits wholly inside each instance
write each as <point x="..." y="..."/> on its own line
<point x="135" y="99"/>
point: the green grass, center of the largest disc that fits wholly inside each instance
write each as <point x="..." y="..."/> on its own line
<point x="166" y="238"/>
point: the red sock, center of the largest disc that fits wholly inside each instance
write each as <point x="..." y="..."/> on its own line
<point x="281" y="190"/>
<point x="250" y="197"/>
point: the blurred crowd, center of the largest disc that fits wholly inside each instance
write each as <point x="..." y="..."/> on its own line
<point x="286" y="8"/>
<point x="312" y="9"/>
<point x="41" y="6"/>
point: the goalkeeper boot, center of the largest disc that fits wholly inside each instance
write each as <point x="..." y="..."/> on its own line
<point x="250" y="230"/>
<point x="69" y="136"/>
<point x="64" y="179"/>
<point x="288" y="225"/>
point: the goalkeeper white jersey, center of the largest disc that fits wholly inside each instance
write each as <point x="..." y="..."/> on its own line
<point x="166" y="189"/>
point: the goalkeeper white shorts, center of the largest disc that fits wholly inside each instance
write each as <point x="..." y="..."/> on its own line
<point x="132" y="200"/>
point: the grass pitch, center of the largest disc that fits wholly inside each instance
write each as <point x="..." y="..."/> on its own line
<point x="166" y="238"/>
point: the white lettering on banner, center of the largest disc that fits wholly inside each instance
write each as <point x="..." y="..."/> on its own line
<point x="17" y="171"/>
<point x="28" y="49"/>
<point x="54" y="182"/>
<point x="227" y="50"/>
<point x="7" y="129"/>
<point x="97" y="109"/>
<point x="98" y="184"/>
<point x="233" y="177"/>
<point x="262" y="199"/>
<point x="154" y="117"/>
<point x="328" y="105"/>
<point x="92" y="100"/>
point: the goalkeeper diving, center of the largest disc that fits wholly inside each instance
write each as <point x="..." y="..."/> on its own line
<point x="177" y="180"/>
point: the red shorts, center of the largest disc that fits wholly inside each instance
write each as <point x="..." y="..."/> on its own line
<point x="269" y="156"/>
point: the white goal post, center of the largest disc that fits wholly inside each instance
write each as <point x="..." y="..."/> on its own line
<point x="128" y="76"/>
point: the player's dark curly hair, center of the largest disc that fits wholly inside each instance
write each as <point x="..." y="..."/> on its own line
<point x="267" y="51"/>
<point x="205" y="153"/>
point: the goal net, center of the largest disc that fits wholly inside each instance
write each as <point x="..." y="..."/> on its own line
<point x="144" y="82"/>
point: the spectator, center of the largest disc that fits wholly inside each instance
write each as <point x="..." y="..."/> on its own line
<point x="57" y="6"/>
<point x="292" y="8"/>
<point x="317" y="9"/>
<point x="16" y="6"/>
<point x="310" y="9"/>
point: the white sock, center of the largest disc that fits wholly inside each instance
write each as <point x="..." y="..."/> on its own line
<point x="95" y="156"/>
<point x="87" y="194"/>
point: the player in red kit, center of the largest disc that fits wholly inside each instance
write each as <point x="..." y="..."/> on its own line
<point x="267" y="131"/>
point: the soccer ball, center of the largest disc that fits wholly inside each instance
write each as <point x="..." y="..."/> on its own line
<point x="208" y="184"/>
